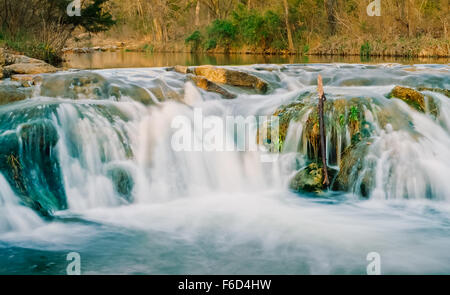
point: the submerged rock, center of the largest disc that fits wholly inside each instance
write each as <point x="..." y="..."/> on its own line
<point x="352" y="175"/>
<point x="29" y="162"/>
<point x="74" y="85"/>
<point x="90" y="85"/>
<point x="12" y="92"/>
<point x="412" y="97"/>
<point x="123" y="182"/>
<point x="310" y="179"/>
<point x="207" y="85"/>
<point x="446" y="92"/>
<point x="231" y="77"/>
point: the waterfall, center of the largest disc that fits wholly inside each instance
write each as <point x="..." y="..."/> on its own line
<point x="103" y="153"/>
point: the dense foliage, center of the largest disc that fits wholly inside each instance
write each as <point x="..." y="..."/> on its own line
<point x="40" y="28"/>
<point x="269" y="24"/>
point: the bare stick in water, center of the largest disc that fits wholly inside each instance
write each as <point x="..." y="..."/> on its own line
<point x="323" y="146"/>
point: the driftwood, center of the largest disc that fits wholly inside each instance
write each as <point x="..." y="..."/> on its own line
<point x="323" y="146"/>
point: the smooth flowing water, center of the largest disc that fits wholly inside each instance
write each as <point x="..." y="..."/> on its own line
<point x="101" y="151"/>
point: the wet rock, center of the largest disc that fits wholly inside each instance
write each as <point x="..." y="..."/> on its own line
<point x="446" y="92"/>
<point x="231" y="77"/>
<point x="21" y="78"/>
<point x="182" y="69"/>
<point x="136" y="93"/>
<point x="24" y="80"/>
<point x="77" y="85"/>
<point x="163" y="92"/>
<point x="287" y="113"/>
<point x="12" y="92"/>
<point x="30" y="164"/>
<point x="207" y="85"/>
<point x="354" y="173"/>
<point x="29" y="68"/>
<point x="89" y="85"/>
<point x="123" y="182"/>
<point x="2" y="57"/>
<point x="412" y="97"/>
<point x="310" y="179"/>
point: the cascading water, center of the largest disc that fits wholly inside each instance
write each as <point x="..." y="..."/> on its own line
<point x="88" y="165"/>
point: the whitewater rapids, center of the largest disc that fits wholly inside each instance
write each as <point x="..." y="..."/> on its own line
<point x="229" y="212"/>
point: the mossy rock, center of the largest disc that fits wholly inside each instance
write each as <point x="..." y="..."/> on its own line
<point x="310" y="179"/>
<point x="30" y="164"/>
<point x="287" y="113"/>
<point x="412" y="97"/>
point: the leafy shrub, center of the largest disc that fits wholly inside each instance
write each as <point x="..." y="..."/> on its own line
<point x="305" y="49"/>
<point x="31" y="47"/>
<point x="365" y="49"/>
<point x="257" y="29"/>
<point x="223" y="32"/>
<point x="210" y="44"/>
<point x="195" y="40"/>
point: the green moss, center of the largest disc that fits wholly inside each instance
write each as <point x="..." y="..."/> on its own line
<point x="412" y="97"/>
<point x="310" y="179"/>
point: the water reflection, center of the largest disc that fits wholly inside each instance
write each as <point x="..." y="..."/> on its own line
<point x="123" y="59"/>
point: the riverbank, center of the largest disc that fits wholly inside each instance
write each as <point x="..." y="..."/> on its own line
<point x="333" y="46"/>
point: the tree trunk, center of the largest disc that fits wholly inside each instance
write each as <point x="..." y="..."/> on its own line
<point x="197" y="14"/>
<point x="158" y="30"/>
<point x="288" y="27"/>
<point x="323" y="142"/>
<point x="331" y="12"/>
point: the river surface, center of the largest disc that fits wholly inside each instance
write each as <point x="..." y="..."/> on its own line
<point x="229" y="212"/>
<point x="123" y="59"/>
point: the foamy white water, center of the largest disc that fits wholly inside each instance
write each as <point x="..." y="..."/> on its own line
<point x="202" y="212"/>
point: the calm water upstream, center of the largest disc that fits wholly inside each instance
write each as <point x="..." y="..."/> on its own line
<point x="134" y="205"/>
<point x="122" y="59"/>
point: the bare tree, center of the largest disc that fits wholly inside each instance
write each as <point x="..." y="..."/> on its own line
<point x="288" y="26"/>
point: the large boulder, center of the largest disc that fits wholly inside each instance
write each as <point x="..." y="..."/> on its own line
<point x="29" y="68"/>
<point x="231" y="77"/>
